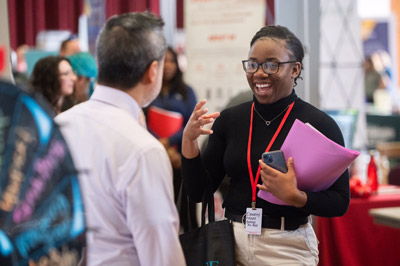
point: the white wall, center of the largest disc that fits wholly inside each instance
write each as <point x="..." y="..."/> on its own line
<point x="168" y="13"/>
<point x="333" y="75"/>
<point x="341" y="60"/>
<point x="300" y="17"/>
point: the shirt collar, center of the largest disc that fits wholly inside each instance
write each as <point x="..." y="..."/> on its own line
<point x="117" y="98"/>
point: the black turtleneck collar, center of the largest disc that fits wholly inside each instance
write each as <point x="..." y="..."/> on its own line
<point x="268" y="111"/>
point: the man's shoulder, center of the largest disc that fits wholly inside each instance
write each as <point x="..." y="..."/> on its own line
<point x="94" y="112"/>
<point x="72" y="112"/>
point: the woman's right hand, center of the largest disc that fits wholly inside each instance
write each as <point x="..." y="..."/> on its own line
<point x="198" y="119"/>
<point x="194" y="128"/>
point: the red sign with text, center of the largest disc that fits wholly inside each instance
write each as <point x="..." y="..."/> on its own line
<point x="2" y="58"/>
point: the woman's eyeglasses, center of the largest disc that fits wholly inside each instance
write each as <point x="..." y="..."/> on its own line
<point x="251" y="66"/>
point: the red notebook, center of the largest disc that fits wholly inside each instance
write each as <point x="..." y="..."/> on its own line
<point x="162" y="122"/>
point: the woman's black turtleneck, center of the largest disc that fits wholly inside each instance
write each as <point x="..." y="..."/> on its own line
<point x="226" y="153"/>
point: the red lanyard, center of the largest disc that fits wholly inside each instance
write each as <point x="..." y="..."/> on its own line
<point x="254" y="182"/>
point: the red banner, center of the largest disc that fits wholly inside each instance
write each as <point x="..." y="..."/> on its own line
<point x="2" y="58"/>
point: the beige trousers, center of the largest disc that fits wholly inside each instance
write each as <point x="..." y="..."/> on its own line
<point x="276" y="247"/>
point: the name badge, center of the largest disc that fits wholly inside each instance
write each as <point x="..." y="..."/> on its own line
<point x="253" y="221"/>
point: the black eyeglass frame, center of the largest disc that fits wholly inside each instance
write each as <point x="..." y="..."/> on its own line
<point x="264" y="64"/>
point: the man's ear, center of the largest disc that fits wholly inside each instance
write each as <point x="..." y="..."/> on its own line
<point x="150" y="75"/>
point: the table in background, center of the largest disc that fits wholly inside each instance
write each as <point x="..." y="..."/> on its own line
<point x="389" y="216"/>
<point x="355" y="239"/>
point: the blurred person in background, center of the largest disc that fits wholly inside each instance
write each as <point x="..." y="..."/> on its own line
<point x="179" y="97"/>
<point x="70" y="46"/>
<point x="19" y="66"/>
<point x="372" y="80"/>
<point x="175" y="96"/>
<point x="386" y="100"/>
<point x="84" y="65"/>
<point x="54" y="79"/>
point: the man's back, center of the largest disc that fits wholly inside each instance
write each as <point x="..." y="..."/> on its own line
<point x="126" y="183"/>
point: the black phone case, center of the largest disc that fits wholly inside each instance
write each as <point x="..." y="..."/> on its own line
<point x="276" y="160"/>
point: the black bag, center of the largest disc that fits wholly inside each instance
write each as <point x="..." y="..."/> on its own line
<point x="212" y="244"/>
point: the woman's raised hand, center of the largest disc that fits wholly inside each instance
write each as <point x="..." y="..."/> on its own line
<point x="198" y="119"/>
<point x="194" y="128"/>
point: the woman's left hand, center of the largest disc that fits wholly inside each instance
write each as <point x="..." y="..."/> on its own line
<point x="282" y="185"/>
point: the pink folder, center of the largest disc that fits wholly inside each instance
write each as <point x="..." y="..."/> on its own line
<point x="318" y="161"/>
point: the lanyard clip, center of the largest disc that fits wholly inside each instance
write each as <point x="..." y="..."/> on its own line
<point x="253" y="205"/>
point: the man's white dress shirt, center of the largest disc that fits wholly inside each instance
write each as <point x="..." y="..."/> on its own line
<point x="126" y="180"/>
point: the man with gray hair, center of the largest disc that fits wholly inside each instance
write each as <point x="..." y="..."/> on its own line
<point x="125" y="173"/>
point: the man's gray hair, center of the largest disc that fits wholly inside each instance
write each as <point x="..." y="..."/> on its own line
<point x="126" y="46"/>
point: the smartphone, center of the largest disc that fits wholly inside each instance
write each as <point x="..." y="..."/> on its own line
<point x="276" y="160"/>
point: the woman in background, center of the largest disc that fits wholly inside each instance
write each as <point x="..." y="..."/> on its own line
<point x="177" y="98"/>
<point x="84" y="65"/>
<point x="53" y="78"/>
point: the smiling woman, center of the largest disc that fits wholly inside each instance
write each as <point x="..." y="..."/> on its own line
<point x="53" y="78"/>
<point x="239" y="137"/>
